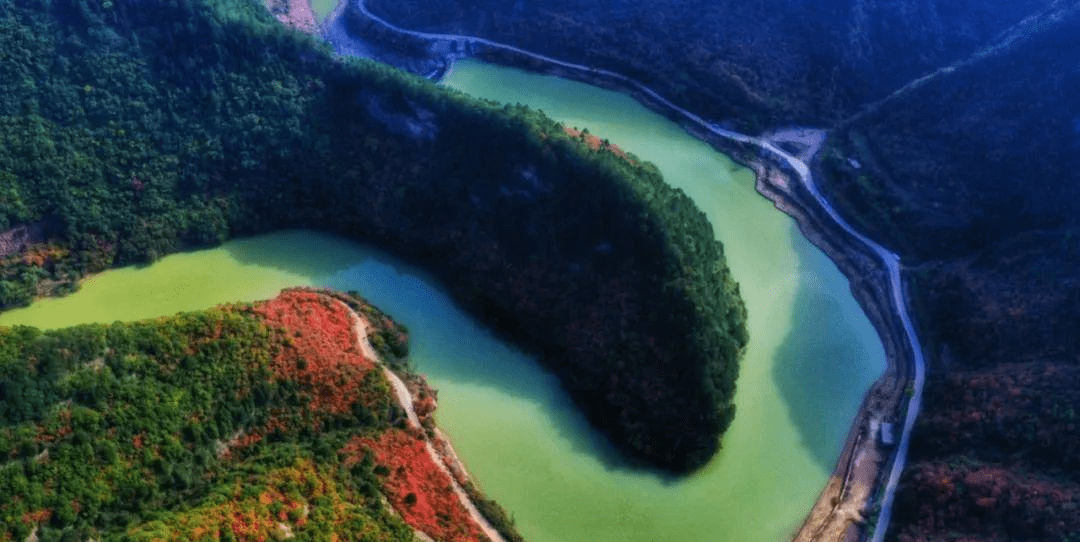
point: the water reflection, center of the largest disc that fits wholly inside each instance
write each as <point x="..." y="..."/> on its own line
<point x="820" y="361"/>
<point x="301" y="252"/>
<point x="450" y="348"/>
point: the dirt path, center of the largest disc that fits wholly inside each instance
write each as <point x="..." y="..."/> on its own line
<point x="361" y="327"/>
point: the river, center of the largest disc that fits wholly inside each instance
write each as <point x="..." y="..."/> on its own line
<point x="812" y="352"/>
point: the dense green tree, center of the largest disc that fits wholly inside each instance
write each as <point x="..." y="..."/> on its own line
<point x="132" y="129"/>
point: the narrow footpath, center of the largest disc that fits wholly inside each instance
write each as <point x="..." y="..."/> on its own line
<point x="360" y="329"/>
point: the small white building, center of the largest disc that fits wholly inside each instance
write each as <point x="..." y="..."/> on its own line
<point x="887" y="434"/>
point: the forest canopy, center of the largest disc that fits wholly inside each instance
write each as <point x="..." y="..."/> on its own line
<point x="212" y="425"/>
<point x="133" y="129"/>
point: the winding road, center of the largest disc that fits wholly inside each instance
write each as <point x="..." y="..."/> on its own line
<point x="461" y="46"/>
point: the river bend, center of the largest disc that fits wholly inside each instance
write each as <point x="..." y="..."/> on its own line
<point x="889" y="260"/>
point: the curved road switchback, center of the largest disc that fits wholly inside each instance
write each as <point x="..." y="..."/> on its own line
<point x="910" y="372"/>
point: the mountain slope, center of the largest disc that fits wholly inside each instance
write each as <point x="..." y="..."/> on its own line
<point x="242" y="422"/>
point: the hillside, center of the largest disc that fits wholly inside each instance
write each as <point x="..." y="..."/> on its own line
<point x="243" y="422"/>
<point x="973" y="178"/>
<point x="133" y="129"/>
<point x="753" y="64"/>
<point x="996" y="456"/>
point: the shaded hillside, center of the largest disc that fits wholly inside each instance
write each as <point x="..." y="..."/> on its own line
<point x="236" y="423"/>
<point x="995" y="457"/>
<point x="751" y="63"/>
<point x="973" y="177"/>
<point x="132" y="129"/>
<point x="969" y="174"/>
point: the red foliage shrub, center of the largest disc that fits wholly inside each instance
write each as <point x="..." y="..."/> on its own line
<point x="37" y="516"/>
<point x="322" y="353"/>
<point x="417" y="487"/>
<point x="595" y="143"/>
<point x="38" y="256"/>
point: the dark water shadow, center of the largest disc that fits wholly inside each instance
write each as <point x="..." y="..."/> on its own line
<point x="820" y="368"/>
<point x="310" y="254"/>
<point x="445" y="342"/>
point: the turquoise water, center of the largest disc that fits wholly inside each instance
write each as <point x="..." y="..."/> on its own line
<point x="322" y="9"/>
<point x="812" y="352"/>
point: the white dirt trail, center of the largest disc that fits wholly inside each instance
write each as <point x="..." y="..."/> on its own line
<point x="360" y="328"/>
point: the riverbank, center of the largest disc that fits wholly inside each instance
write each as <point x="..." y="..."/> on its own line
<point x="434" y="442"/>
<point x="848" y="508"/>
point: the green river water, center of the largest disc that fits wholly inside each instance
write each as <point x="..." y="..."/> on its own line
<point x="812" y="352"/>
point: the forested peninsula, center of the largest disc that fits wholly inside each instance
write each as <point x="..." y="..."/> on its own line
<point x="242" y="422"/>
<point x="952" y="139"/>
<point x="134" y="129"/>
